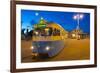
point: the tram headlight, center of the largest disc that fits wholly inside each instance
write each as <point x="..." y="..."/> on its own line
<point x="32" y="47"/>
<point x="47" y="48"/>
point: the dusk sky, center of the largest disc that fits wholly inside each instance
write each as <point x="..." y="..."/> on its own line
<point x="65" y="19"/>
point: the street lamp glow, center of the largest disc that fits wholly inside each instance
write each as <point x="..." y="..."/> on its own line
<point x="81" y="16"/>
<point x="36" y="14"/>
<point x="75" y="17"/>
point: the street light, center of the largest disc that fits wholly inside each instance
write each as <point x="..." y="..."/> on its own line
<point x="78" y="17"/>
<point x="36" y="13"/>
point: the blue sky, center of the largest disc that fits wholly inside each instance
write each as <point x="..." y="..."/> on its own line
<point x="65" y="19"/>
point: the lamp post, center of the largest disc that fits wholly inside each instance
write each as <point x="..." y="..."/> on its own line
<point x="78" y="17"/>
